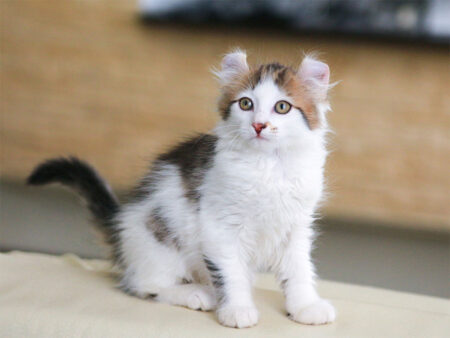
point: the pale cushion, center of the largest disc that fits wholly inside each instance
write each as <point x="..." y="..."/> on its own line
<point x="65" y="296"/>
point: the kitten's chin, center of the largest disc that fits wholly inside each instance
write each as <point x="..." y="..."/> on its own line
<point x="259" y="141"/>
<point x="263" y="143"/>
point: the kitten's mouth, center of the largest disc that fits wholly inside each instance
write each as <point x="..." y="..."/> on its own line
<point x="260" y="137"/>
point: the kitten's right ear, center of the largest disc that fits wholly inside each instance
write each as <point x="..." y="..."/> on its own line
<point x="233" y="65"/>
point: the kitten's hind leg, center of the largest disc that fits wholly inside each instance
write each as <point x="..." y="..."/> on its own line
<point x="193" y="296"/>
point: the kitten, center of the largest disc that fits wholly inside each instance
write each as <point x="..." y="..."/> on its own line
<point x="221" y="206"/>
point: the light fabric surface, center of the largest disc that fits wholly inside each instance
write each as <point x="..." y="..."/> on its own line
<point x="65" y="296"/>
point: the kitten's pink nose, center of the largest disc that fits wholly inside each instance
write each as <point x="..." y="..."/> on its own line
<point x="259" y="127"/>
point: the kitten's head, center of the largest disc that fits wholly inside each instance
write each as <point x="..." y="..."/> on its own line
<point x="272" y="105"/>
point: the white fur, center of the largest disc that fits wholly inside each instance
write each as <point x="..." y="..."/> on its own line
<point x="256" y="210"/>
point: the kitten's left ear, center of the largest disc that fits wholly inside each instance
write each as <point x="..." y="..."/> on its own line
<point x="315" y="75"/>
<point x="233" y="65"/>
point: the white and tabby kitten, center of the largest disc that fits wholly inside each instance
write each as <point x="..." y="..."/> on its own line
<point x="222" y="206"/>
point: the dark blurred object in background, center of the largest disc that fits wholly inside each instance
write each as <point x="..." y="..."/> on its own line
<point x="411" y="19"/>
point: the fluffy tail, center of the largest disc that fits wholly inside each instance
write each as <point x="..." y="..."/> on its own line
<point x="87" y="182"/>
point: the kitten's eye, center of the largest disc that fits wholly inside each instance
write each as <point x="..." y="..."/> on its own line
<point x="245" y="103"/>
<point x="282" y="107"/>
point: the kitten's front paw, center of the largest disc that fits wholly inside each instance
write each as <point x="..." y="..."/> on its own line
<point x="201" y="299"/>
<point x="238" y="316"/>
<point x="320" y="312"/>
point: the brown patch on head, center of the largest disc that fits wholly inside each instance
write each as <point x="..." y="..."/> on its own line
<point x="229" y="93"/>
<point x="267" y="70"/>
<point x="284" y="77"/>
<point x="302" y="100"/>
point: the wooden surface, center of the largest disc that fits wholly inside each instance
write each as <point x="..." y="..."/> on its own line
<point x="87" y="78"/>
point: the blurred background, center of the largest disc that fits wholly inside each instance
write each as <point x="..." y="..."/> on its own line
<point x="117" y="82"/>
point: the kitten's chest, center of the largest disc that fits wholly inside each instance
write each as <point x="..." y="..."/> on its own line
<point x="268" y="190"/>
<point x="269" y="201"/>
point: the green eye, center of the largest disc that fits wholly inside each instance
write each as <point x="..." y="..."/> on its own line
<point x="245" y="103"/>
<point x="282" y="107"/>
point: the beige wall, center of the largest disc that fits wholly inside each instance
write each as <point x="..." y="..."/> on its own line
<point x="86" y="78"/>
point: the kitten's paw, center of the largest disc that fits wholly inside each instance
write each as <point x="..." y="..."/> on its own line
<point x="201" y="299"/>
<point x="320" y="312"/>
<point x="238" y="316"/>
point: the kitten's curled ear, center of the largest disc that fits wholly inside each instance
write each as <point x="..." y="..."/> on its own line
<point x="315" y="76"/>
<point x="233" y="65"/>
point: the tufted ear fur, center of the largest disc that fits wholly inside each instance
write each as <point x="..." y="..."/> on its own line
<point x="315" y="76"/>
<point x="233" y="65"/>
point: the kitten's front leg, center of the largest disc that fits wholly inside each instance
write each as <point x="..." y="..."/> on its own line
<point x="231" y="279"/>
<point x="296" y="276"/>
